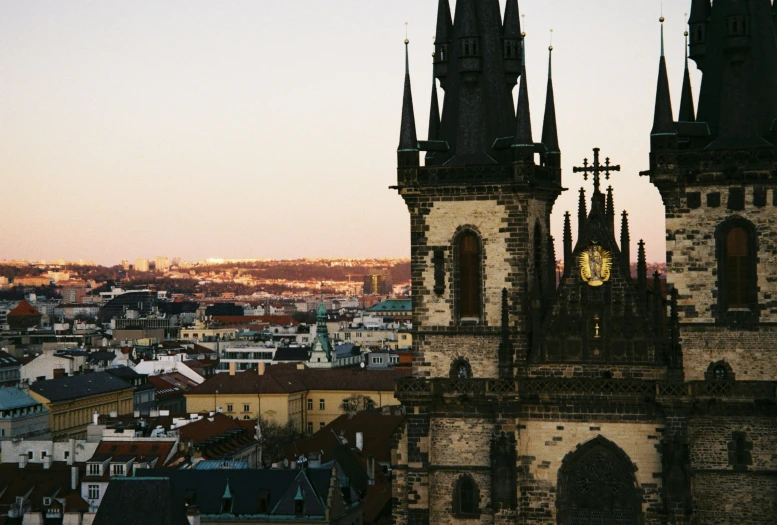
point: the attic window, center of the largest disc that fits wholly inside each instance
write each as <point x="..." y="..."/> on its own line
<point x="299" y="507"/>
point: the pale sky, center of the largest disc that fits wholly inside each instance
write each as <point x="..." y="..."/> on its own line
<point x="268" y="128"/>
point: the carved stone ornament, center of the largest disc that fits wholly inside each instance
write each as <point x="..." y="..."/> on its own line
<point x="595" y="265"/>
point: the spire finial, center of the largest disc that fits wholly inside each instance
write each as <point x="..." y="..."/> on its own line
<point x="550" y="52"/>
<point x="406" y="40"/>
<point x="523" y="24"/>
<point x="662" y="30"/>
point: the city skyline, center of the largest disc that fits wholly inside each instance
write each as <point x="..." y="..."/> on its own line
<point x="257" y="130"/>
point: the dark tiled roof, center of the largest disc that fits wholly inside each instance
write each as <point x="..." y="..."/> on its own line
<point x="206" y="488"/>
<point x="96" y="357"/>
<point x="291" y="354"/>
<point x="141" y="501"/>
<point x="283" y="378"/>
<point x="74" y="387"/>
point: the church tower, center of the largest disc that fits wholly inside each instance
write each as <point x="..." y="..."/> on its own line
<point x="481" y="252"/>
<point x="716" y="170"/>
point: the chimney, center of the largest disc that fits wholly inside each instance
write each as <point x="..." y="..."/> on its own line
<point x="232" y="368"/>
<point x="72" y="449"/>
<point x="95" y="417"/>
<point x="22" y="460"/>
<point x="73" y="478"/>
<point x="360" y="440"/>
<point x="46" y="462"/>
<point x="371" y="469"/>
<point x="260" y="368"/>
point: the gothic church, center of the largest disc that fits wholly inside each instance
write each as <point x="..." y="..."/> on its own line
<point x="596" y="397"/>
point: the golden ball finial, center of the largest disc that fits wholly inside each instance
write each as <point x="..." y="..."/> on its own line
<point x="432" y="54"/>
<point x="685" y="33"/>
<point x="523" y="33"/>
<point x="407" y="41"/>
<point x="550" y="48"/>
<point x="661" y="19"/>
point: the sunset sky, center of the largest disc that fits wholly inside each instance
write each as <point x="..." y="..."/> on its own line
<point x="268" y="128"/>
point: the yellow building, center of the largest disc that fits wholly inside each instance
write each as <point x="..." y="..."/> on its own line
<point x="309" y="398"/>
<point x="72" y="401"/>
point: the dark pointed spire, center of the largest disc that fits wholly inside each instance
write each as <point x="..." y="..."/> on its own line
<point x="609" y="211"/>
<point x="444" y="23"/>
<point x="567" y="243"/>
<point x="434" y="114"/>
<point x="408" y="141"/>
<point x="625" y="243"/>
<point x="523" y="135"/>
<point x="511" y="28"/>
<point x="582" y="214"/>
<point x="642" y="271"/>
<point x="549" y="128"/>
<point x="663" y="122"/>
<point x="700" y="11"/>
<point x="687" y="111"/>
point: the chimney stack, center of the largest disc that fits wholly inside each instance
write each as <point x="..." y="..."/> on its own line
<point x="260" y="368"/>
<point x="22" y="460"/>
<point x="232" y="368"/>
<point x="360" y="440"/>
<point x="46" y="462"/>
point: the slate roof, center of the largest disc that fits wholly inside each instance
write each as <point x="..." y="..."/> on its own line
<point x="206" y="488"/>
<point x="141" y="501"/>
<point x="291" y="354"/>
<point x="97" y="357"/>
<point x="287" y="378"/>
<point x="39" y="483"/>
<point x="7" y="360"/>
<point x="64" y="388"/>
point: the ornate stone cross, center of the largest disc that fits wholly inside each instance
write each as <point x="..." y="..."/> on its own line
<point x="596" y="169"/>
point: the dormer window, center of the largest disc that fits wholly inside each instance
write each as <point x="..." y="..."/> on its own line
<point x="299" y="507"/>
<point x="118" y="469"/>
<point x="94" y="469"/>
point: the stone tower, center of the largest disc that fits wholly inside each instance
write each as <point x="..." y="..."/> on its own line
<point x="592" y="396"/>
<point x="716" y="171"/>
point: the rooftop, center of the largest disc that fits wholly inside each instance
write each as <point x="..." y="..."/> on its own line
<point x="64" y="388"/>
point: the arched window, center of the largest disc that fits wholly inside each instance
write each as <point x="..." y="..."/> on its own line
<point x="719" y="373"/>
<point x="466" y="497"/>
<point x="460" y="369"/>
<point x="737" y="274"/>
<point x="737" y="271"/>
<point x="470" y="286"/>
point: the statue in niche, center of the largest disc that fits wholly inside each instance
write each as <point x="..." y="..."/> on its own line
<point x="677" y="476"/>
<point x="503" y="480"/>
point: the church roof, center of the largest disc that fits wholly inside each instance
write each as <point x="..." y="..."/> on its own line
<point x="24" y="309"/>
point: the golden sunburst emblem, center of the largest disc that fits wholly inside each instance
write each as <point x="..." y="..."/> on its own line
<point x="595" y="265"/>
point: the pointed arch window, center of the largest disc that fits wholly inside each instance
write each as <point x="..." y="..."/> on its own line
<point x="737" y="270"/>
<point x="466" y="498"/>
<point x="470" y="287"/>
<point x="737" y="275"/>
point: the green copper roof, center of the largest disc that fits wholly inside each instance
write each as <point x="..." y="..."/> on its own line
<point x="393" y="305"/>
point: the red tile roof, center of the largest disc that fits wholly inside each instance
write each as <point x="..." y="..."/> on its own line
<point x="24" y="309"/>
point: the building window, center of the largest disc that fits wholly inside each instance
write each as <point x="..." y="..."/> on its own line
<point x="42" y="454"/>
<point x="30" y="455"/>
<point x="118" y="470"/>
<point x="94" y="492"/>
<point x="310" y="404"/>
<point x="737" y="270"/>
<point x="229" y="408"/>
<point x="94" y="469"/>
<point x="246" y="408"/>
<point x="321" y="425"/>
<point x="321" y="404"/>
<point x="310" y="427"/>
<point x="466" y="497"/>
<point x="469" y="277"/>
<point x="246" y="416"/>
